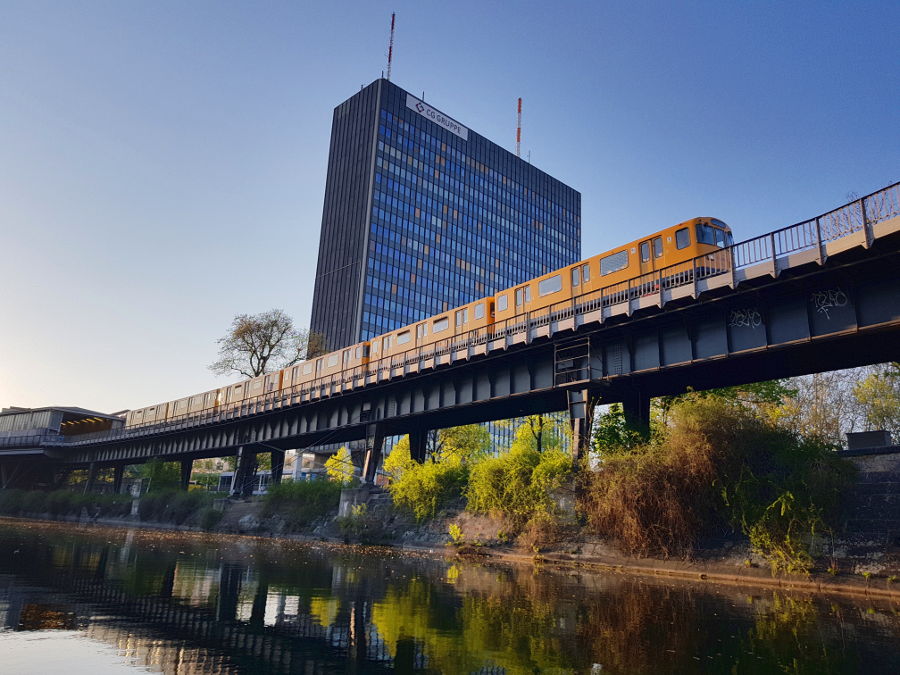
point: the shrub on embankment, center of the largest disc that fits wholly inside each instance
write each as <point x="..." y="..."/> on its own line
<point x="176" y="506"/>
<point x="62" y="503"/>
<point x="300" y="503"/>
<point x="715" y="468"/>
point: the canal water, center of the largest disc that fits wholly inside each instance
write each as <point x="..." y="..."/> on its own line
<point x="98" y="600"/>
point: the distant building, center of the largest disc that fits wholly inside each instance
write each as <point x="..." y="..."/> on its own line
<point x="423" y="214"/>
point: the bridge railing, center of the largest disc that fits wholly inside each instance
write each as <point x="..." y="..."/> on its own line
<point x="857" y="216"/>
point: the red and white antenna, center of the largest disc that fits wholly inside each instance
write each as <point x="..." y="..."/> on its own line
<point x="519" y="130"/>
<point x="391" y="46"/>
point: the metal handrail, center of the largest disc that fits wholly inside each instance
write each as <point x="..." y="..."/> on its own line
<point x="857" y="216"/>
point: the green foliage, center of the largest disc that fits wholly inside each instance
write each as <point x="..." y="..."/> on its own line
<point x="163" y="476"/>
<point x="716" y="466"/>
<point x="302" y="502"/>
<point x="465" y="444"/>
<point x="361" y="526"/>
<point x="340" y="467"/>
<point x="612" y="433"/>
<point x="63" y="503"/>
<point x="519" y="483"/>
<point x="423" y="489"/>
<point x="398" y="460"/>
<point x="173" y="506"/>
<point x="210" y="517"/>
<point x="456" y="534"/>
<point x="879" y="396"/>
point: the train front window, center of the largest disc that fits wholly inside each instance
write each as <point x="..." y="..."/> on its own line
<point x="706" y="234"/>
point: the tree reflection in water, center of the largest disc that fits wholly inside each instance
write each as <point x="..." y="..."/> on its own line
<point x="248" y="605"/>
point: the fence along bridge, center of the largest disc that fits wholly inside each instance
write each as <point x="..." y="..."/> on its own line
<point x="819" y="295"/>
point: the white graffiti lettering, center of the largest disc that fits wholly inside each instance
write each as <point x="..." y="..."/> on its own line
<point x="748" y="317"/>
<point x="824" y="301"/>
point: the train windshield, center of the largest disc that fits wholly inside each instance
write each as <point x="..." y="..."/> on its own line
<point x="707" y="234"/>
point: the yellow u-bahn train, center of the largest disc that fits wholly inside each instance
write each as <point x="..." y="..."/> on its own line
<point x="671" y="246"/>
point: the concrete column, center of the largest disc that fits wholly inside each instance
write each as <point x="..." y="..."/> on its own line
<point x="242" y="486"/>
<point x="187" y="468"/>
<point x="417" y="444"/>
<point x="118" y="476"/>
<point x="373" y="454"/>
<point x="91" y="477"/>
<point x="581" y="417"/>
<point x="636" y="407"/>
<point x="277" y="466"/>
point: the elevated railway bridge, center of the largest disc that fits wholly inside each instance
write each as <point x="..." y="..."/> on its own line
<point x="819" y="295"/>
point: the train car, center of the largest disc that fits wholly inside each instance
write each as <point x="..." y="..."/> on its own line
<point x="153" y="414"/>
<point x="657" y="251"/>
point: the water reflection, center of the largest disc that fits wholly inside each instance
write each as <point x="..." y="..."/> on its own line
<point x="198" y="604"/>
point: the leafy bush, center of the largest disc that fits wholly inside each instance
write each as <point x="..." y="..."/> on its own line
<point x="340" y="467"/>
<point x="210" y="517"/>
<point x="717" y="467"/>
<point x="302" y="502"/>
<point x="62" y="503"/>
<point x="361" y="526"/>
<point x="423" y="489"/>
<point x="11" y="502"/>
<point x="518" y="484"/>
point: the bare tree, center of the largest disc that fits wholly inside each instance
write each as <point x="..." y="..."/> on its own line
<point x="261" y="343"/>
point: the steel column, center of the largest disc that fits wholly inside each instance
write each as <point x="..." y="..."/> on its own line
<point x="277" y="466"/>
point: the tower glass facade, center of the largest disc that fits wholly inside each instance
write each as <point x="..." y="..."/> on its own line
<point x="423" y="214"/>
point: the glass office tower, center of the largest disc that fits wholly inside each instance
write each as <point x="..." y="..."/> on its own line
<point x="422" y="214"/>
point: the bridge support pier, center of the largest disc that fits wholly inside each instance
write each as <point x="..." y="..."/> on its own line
<point x="187" y="468"/>
<point x="244" y="473"/>
<point x="277" y="466"/>
<point x="118" y="475"/>
<point x="581" y="417"/>
<point x="91" y="477"/>
<point x="636" y="407"/>
<point x="418" y="439"/>
<point x="373" y="453"/>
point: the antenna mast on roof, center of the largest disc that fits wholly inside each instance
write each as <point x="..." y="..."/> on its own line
<point x="391" y="46"/>
<point x="519" y="130"/>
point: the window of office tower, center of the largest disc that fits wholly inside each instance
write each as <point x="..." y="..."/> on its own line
<point x="448" y="226"/>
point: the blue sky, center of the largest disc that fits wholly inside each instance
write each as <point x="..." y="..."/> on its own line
<point x="162" y="164"/>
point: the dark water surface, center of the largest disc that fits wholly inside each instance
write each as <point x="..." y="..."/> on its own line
<point x="96" y="600"/>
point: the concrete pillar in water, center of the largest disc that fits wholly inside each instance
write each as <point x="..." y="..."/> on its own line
<point x="187" y="467"/>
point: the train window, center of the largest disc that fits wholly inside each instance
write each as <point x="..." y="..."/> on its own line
<point x="386" y="343"/>
<point x="705" y="234"/>
<point x="462" y="316"/>
<point x="441" y="324"/>
<point x="332" y="360"/>
<point x="682" y="238"/>
<point x="720" y="238"/>
<point x="657" y="247"/>
<point x="502" y="303"/>
<point x="614" y="263"/>
<point x="359" y="351"/>
<point x="375" y="346"/>
<point x="296" y="372"/>
<point x="346" y="357"/>
<point x="479" y="310"/>
<point x="257" y="385"/>
<point x="318" y="366"/>
<point x="586" y="272"/>
<point x="421" y="330"/>
<point x="550" y="285"/>
<point x="404" y="337"/>
<point x="520" y="294"/>
<point x="307" y="368"/>
<point x="645" y="251"/>
<point x="576" y="276"/>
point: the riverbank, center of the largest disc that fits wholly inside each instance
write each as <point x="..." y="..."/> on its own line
<point x="730" y="565"/>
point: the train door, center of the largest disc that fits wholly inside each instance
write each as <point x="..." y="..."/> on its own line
<point x="651" y="252"/>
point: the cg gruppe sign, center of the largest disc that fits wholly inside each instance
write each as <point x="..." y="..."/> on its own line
<point x="437" y="117"/>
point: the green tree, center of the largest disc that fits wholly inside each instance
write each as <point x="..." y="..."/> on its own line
<point x="340" y="468"/>
<point x="879" y="397"/>
<point x="161" y="475"/>
<point x="465" y="444"/>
